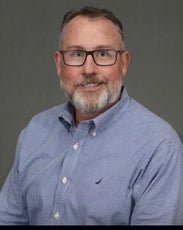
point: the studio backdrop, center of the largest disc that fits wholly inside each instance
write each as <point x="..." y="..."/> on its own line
<point x="29" y="33"/>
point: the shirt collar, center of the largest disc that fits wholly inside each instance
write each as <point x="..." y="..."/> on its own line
<point x="101" y="121"/>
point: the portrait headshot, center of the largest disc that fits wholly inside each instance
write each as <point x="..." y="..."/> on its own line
<point x="91" y="112"/>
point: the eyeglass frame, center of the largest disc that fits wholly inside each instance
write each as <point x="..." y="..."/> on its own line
<point x="90" y="52"/>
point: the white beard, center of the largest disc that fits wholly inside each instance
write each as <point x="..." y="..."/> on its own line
<point x="90" y="102"/>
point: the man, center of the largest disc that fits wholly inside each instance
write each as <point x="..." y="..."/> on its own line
<point x="101" y="158"/>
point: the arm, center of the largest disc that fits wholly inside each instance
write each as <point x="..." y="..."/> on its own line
<point x="158" y="190"/>
<point x="12" y="204"/>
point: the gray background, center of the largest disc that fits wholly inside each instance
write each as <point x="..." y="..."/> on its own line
<point x="29" y="31"/>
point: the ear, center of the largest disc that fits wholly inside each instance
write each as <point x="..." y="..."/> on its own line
<point x="57" y="60"/>
<point x="125" y="59"/>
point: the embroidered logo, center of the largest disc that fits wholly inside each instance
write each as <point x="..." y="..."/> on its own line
<point x="98" y="182"/>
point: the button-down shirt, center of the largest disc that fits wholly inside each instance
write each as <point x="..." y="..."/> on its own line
<point x="121" y="168"/>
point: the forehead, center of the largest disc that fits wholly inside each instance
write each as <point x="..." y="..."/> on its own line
<point x="90" y="31"/>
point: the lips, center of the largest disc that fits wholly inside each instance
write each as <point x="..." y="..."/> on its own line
<point x="90" y="85"/>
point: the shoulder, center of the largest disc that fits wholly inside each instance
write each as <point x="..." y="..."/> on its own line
<point x="46" y="119"/>
<point x="149" y="125"/>
<point x="48" y="115"/>
<point x="40" y="127"/>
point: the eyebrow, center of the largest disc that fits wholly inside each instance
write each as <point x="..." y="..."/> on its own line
<point x="76" y="47"/>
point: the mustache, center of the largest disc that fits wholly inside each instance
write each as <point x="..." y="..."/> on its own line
<point x="91" y="80"/>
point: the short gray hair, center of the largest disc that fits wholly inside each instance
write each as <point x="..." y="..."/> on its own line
<point x="93" y="12"/>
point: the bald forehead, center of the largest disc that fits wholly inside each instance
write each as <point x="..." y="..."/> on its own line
<point x="80" y="19"/>
<point x="81" y="25"/>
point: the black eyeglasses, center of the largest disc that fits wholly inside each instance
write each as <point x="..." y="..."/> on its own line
<point x="104" y="57"/>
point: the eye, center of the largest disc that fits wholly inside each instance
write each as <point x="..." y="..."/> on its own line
<point x="77" y="53"/>
<point x="102" y="53"/>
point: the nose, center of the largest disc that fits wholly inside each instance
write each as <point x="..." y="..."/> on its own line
<point x="89" y="65"/>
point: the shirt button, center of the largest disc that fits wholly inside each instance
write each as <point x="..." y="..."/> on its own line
<point x="64" y="180"/>
<point x="75" y="146"/>
<point x="56" y="215"/>
<point x="94" y="133"/>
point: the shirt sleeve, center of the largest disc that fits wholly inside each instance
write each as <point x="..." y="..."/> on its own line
<point x="158" y="190"/>
<point x="12" y="204"/>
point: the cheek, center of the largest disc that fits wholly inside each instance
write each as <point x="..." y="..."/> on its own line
<point x="68" y="76"/>
<point x="114" y="75"/>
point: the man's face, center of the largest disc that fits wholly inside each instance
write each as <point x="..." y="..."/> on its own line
<point x="91" y="88"/>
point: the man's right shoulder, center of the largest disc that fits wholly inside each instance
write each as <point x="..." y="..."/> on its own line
<point x="46" y="119"/>
<point x="49" y="113"/>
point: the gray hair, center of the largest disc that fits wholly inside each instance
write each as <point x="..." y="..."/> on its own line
<point x="92" y="12"/>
